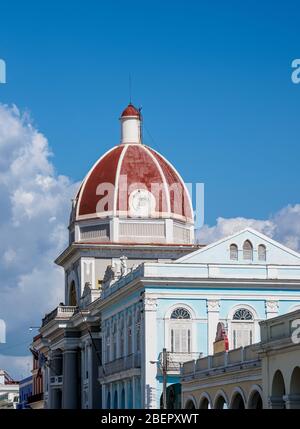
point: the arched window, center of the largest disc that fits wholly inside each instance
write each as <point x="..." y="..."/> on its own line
<point x="278" y="389"/>
<point x="129" y="335"/>
<point x="190" y="405"/>
<point x="180" y="331"/>
<point x="233" y="252"/>
<point x="138" y="331"/>
<point x="114" y="340"/>
<point x="255" y="400"/>
<point x="243" y="314"/>
<point x="262" y="252"/>
<point x="122" y="337"/>
<point x="180" y="313"/>
<point x="72" y="295"/>
<point x="107" y="340"/>
<point x="237" y="402"/>
<point x="242" y="328"/>
<point x="248" y="250"/>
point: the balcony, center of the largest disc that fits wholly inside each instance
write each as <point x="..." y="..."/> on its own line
<point x="176" y="360"/>
<point x="61" y="312"/>
<point x="121" y="364"/>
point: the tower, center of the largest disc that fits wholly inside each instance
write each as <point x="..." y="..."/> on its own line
<point x="132" y="203"/>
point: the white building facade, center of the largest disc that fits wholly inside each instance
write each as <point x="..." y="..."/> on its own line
<point x="136" y="283"/>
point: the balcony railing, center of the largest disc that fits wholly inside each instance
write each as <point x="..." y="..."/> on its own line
<point x="176" y="360"/>
<point x="236" y="358"/>
<point x="121" y="364"/>
<point x="60" y="312"/>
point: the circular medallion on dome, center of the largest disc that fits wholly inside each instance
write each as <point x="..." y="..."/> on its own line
<point x="141" y="203"/>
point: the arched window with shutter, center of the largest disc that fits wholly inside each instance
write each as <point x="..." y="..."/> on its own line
<point x="107" y="344"/>
<point x="114" y="345"/>
<point x="129" y="335"/>
<point x="138" y="331"/>
<point x="233" y="252"/>
<point x="122" y="337"/>
<point x="248" y="250"/>
<point x="180" y="331"/>
<point x="262" y="252"/>
<point x="242" y="328"/>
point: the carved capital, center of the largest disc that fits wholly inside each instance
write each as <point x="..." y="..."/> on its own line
<point x="150" y="304"/>
<point x="271" y="306"/>
<point x="213" y="305"/>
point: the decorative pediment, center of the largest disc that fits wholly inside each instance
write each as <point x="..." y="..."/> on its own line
<point x="245" y="247"/>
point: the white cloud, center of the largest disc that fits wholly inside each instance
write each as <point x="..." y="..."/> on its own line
<point x="34" y="210"/>
<point x="23" y="365"/>
<point x="283" y="226"/>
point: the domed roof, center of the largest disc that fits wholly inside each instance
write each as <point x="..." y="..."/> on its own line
<point x="126" y="178"/>
<point x="130" y="111"/>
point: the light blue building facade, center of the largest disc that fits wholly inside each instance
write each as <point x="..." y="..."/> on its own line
<point x="177" y="305"/>
<point x="137" y="283"/>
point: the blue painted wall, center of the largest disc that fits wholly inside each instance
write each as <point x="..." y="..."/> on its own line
<point x="25" y="390"/>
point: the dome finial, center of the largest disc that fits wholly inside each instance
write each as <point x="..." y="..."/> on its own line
<point x="131" y="125"/>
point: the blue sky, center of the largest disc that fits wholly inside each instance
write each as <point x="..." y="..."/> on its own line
<point x="213" y="79"/>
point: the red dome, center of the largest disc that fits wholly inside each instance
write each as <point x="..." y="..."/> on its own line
<point x="125" y="169"/>
<point x="130" y="111"/>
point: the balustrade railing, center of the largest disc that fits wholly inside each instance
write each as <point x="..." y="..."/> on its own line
<point x="60" y="312"/>
<point x="121" y="364"/>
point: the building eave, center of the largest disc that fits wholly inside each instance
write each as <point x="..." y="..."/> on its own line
<point x="74" y="247"/>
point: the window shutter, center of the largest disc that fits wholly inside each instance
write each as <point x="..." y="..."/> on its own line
<point x="242" y="334"/>
<point x="177" y="340"/>
<point x="248" y="250"/>
<point x="184" y="340"/>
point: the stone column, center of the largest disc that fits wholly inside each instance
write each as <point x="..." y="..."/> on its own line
<point x="111" y="396"/>
<point x="70" y="378"/>
<point x="271" y="307"/>
<point x="149" y="353"/>
<point x="82" y="351"/>
<point x="119" y="389"/>
<point x="55" y="370"/>
<point x="90" y="373"/>
<point x="104" y="394"/>
<point x="213" y="309"/>
<point x="95" y="387"/>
